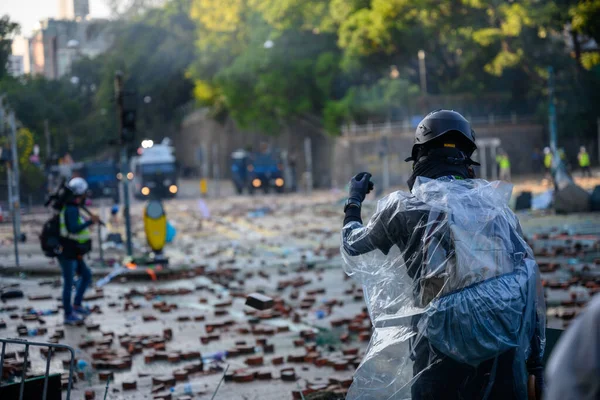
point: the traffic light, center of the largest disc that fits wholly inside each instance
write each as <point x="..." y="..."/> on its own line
<point x="128" y="126"/>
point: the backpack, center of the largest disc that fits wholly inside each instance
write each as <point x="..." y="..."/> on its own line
<point x="50" y="240"/>
<point x="484" y="301"/>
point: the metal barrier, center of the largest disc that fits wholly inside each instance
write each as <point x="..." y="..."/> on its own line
<point x="51" y="348"/>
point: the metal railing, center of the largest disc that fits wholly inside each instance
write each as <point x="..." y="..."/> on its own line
<point x="408" y="125"/>
<point x="50" y="352"/>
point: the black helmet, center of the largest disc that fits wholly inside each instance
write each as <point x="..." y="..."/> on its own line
<point x="440" y="122"/>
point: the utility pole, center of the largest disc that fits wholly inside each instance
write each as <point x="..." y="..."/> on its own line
<point x="598" y="128"/>
<point x="551" y="109"/>
<point x="216" y="170"/>
<point x="47" y="136"/>
<point x="48" y="155"/>
<point x="309" y="166"/>
<point x="124" y="158"/>
<point x="422" y="72"/>
<point x="15" y="183"/>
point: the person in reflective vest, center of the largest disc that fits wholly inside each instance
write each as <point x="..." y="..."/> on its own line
<point x="76" y="242"/>
<point x="504" y="164"/>
<point x="584" y="162"/>
<point x="548" y="161"/>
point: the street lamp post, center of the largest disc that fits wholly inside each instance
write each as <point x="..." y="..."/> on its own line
<point x="422" y="71"/>
<point x="124" y="160"/>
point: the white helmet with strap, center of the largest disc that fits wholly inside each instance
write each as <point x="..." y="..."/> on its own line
<point x="78" y="186"/>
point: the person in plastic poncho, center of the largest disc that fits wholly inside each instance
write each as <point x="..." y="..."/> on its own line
<point x="452" y="287"/>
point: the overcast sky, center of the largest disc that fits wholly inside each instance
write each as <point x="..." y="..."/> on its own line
<point x="28" y="13"/>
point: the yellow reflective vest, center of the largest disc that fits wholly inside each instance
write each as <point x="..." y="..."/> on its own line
<point x="503" y="161"/>
<point x="81" y="237"/>
<point x="548" y="160"/>
<point x="584" y="159"/>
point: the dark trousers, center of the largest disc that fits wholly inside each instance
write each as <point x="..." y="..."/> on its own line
<point x="443" y="378"/>
<point x="69" y="267"/>
<point x="586" y="171"/>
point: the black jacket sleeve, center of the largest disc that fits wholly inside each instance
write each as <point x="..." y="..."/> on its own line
<point x="358" y="239"/>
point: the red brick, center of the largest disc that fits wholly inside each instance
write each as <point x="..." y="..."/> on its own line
<point x="180" y="375"/>
<point x="277" y="360"/>
<point x="311" y="357"/>
<point x="340" y="365"/>
<point x="190" y="355"/>
<point x="264" y="375"/>
<point x="174" y="358"/>
<point x="158" y="388"/>
<point x="164" y="380"/>
<point x="242" y="377"/>
<point x="288" y="375"/>
<point x="364" y="337"/>
<point x="259" y="301"/>
<point x="352" y="351"/>
<point x="297" y="358"/>
<point x="269" y="348"/>
<point x="104" y="376"/>
<point x="254" y="361"/>
<point x="245" y="349"/>
<point x="129" y="385"/>
<point x="90" y="395"/>
<point x="321" y="362"/>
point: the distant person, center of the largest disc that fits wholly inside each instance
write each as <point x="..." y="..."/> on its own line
<point x="114" y="214"/>
<point x="573" y="370"/>
<point x="293" y="165"/>
<point x="67" y="159"/>
<point x="548" y="161"/>
<point x="536" y="161"/>
<point x="584" y="162"/>
<point x="504" y="166"/>
<point x="76" y="242"/>
<point x="563" y="157"/>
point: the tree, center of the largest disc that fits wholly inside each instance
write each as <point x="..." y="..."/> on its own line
<point x="7" y="30"/>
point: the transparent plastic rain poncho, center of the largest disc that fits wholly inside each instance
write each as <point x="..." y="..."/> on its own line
<point x="445" y="266"/>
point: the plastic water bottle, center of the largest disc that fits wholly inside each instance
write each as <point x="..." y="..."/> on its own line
<point x="187" y="389"/>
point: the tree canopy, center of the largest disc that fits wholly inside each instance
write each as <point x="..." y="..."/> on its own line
<point x="265" y="62"/>
<point x="268" y="63"/>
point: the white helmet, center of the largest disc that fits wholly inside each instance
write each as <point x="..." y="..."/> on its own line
<point x="547" y="150"/>
<point x="582" y="149"/>
<point x="78" y="186"/>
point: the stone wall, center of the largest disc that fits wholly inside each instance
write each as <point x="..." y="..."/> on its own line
<point x="202" y="140"/>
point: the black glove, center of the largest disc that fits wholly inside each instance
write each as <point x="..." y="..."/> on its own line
<point x="360" y="186"/>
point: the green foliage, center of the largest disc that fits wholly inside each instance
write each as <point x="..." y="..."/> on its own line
<point x="153" y="50"/>
<point x="7" y="30"/>
<point x="340" y="69"/>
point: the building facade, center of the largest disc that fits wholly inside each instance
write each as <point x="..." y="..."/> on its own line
<point x="59" y="43"/>
<point x="73" y="9"/>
